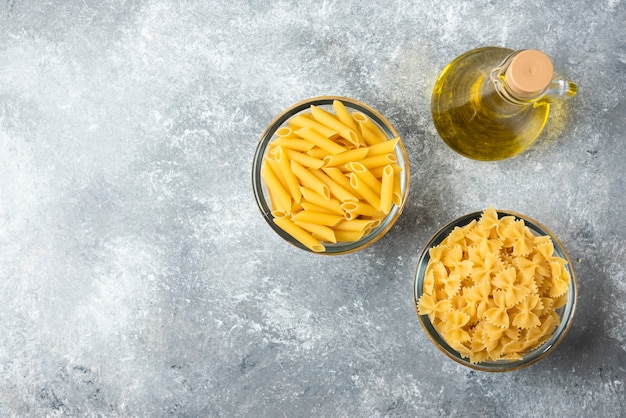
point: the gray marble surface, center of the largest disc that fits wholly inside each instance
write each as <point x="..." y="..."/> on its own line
<point x="137" y="277"/>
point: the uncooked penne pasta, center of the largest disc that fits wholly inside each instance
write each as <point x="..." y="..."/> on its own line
<point x="289" y="178"/>
<point x="293" y="143"/>
<point x="345" y="143"/>
<point x="282" y="198"/>
<point x="361" y="208"/>
<point x="304" y="159"/>
<point x="296" y="207"/>
<point x="302" y="236"/>
<point x="309" y="180"/>
<point x="364" y="174"/>
<point x="368" y="136"/>
<point x="319" y="218"/>
<point x="340" y="192"/>
<point x="327" y="119"/>
<point x="397" y="189"/>
<point x="344" y="117"/>
<point x="349" y="236"/>
<point x="364" y="121"/>
<point x="379" y="160"/>
<point x="320" y="140"/>
<point x="354" y="225"/>
<point x="386" y="190"/>
<point x="338" y="176"/>
<point x="378" y="171"/>
<point x="321" y="232"/>
<point x="318" y="153"/>
<point x="275" y="211"/>
<point x="304" y="121"/>
<point x="386" y="147"/>
<point x="332" y="205"/>
<point x="361" y="188"/>
<point x="331" y="177"/>
<point x="284" y="132"/>
<point x="271" y="160"/>
<point x="345" y="157"/>
<point x="315" y="208"/>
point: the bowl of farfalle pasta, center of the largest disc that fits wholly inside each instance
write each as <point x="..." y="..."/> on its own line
<point x="495" y="290"/>
<point x="330" y="175"/>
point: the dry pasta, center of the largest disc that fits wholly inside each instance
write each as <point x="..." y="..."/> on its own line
<point x="326" y="118"/>
<point x="386" y="189"/>
<point x="491" y="288"/>
<point x="326" y="173"/>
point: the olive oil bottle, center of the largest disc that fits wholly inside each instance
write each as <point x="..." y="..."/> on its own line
<point x="492" y="103"/>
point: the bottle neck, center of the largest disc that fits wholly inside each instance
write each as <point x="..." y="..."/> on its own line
<point x="493" y="98"/>
<point x="497" y="78"/>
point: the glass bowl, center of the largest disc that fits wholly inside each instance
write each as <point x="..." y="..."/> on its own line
<point x="326" y="102"/>
<point x="565" y="312"/>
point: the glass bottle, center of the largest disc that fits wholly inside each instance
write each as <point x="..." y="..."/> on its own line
<point x="492" y="103"/>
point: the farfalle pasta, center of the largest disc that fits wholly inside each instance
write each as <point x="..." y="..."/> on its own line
<point x="491" y="288"/>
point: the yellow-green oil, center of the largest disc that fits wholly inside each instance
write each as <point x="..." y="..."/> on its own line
<point x="471" y="116"/>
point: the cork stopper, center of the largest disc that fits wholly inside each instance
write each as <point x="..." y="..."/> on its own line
<point x="529" y="74"/>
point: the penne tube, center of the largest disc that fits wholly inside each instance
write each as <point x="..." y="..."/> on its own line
<point x="329" y="120"/>
<point x="309" y="180"/>
<point x="397" y="189"/>
<point x="302" y="236"/>
<point x="304" y="159"/>
<point x="378" y="171"/>
<point x="369" y="137"/>
<point x="365" y="175"/>
<point x="274" y="166"/>
<point x="275" y="212"/>
<point x="320" y="140"/>
<point x="348" y="236"/>
<point x="284" y="131"/>
<point x="361" y="188"/>
<point x="280" y="196"/>
<point x="319" y="218"/>
<point x="345" y="157"/>
<point x="346" y="144"/>
<point x="354" y="225"/>
<point x="316" y="208"/>
<point x="289" y="178"/>
<point x="361" y="208"/>
<point x="279" y="214"/>
<point x="321" y="232"/>
<point x="345" y="117"/>
<point x="386" y="147"/>
<point x="347" y="208"/>
<point x="332" y="205"/>
<point x="376" y="222"/>
<point x="296" y="207"/>
<point x="304" y="121"/>
<point x="386" y="190"/>
<point x="365" y="122"/>
<point x="379" y="160"/>
<point x="293" y="143"/>
<point x="340" y="192"/>
<point x="339" y="177"/>
<point x="318" y="153"/>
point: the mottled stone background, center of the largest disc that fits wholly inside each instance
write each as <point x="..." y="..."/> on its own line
<point x="137" y="277"/>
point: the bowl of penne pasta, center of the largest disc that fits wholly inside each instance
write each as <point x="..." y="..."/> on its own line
<point x="330" y="175"/>
<point x="495" y="290"/>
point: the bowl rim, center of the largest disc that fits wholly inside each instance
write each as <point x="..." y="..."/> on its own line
<point x="265" y="140"/>
<point x="535" y="355"/>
